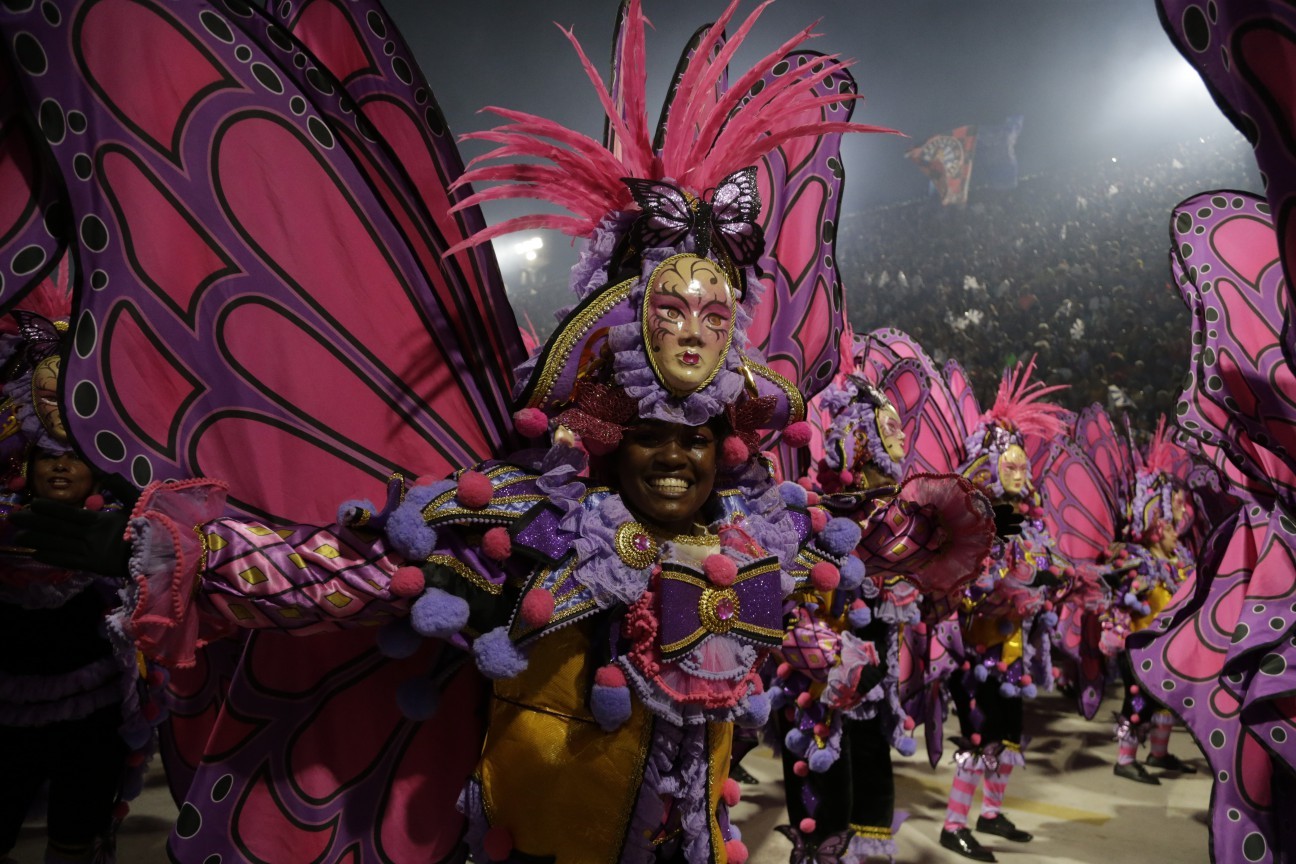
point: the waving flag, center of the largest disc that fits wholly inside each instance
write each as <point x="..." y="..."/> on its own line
<point x="946" y="159"/>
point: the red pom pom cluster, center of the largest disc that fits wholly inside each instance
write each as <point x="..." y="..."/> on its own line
<point x="825" y="576"/>
<point x="407" y="582"/>
<point x="733" y="452"/>
<point x="496" y="543"/>
<point x="531" y="422"/>
<point x="610" y="676"/>
<point x="720" y="569"/>
<point x="474" y="491"/>
<point x="797" y="434"/>
<point x="537" y="607"/>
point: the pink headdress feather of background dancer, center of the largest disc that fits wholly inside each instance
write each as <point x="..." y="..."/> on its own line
<point x="1019" y="404"/>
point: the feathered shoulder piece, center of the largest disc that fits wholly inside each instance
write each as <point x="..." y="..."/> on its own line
<point x="1019" y="405"/>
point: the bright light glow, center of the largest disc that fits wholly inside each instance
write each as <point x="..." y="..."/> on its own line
<point x="1113" y="158"/>
<point x="527" y="248"/>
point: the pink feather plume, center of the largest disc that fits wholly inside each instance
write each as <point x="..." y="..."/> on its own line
<point x="1019" y="404"/>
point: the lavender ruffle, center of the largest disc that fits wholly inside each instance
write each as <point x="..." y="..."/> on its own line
<point x="609" y="579"/>
<point x="676" y="766"/>
<point x="559" y="470"/>
<point x="591" y="269"/>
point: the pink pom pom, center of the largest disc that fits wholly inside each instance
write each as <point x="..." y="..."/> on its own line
<point x="1001" y="666"/>
<point x="497" y="544"/>
<point x="812" y="498"/>
<point x="797" y="434"/>
<point x="150" y="710"/>
<point x="407" y="582"/>
<point x="498" y="843"/>
<point x="975" y="738"/>
<point x="1048" y="605"/>
<point x="803" y="699"/>
<point x="426" y="479"/>
<point x="610" y="676"/>
<point x="474" y="490"/>
<point x="537" y="607"/>
<point x="1134" y="718"/>
<point x="736" y="851"/>
<point x="1026" y="680"/>
<point x="720" y="569"/>
<point x="1134" y="689"/>
<point x="821" y="730"/>
<point x="731" y="792"/>
<point x="825" y="576"/>
<point x="1057" y="673"/>
<point x="120" y="811"/>
<point x="808" y="825"/>
<point x="530" y="422"/>
<point x="847" y="478"/>
<point x="908" y="723"/>
<point x="783" y="670"/>
<point x="801" y="768"/>
<point x="805" y="483"/>
<point x="972" y="704"/>
<point x="16" y="484"/>
<point x="1023" y="508"/>
<point x="860" y="604"/>
<point x="733" y="452"/>
<point x="94" y="502"/>
<point x="818" y="519"/>
<point x="136" y="759"/>
<point x="967" y="664"/>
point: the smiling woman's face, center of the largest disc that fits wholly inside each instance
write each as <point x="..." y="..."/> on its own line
<point x="688" y="322"/>
<point x="665" y="473"/>
<point x="61" y="477"/>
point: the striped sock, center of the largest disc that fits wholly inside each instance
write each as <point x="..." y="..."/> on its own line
<point x="1162" y="721"/>
<point x="996" y="783"/>
<point x="960" y="798"/>
<point x="1128" y="745"/>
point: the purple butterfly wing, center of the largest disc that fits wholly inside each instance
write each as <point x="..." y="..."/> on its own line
<point x="667" y="217"/>
<point x="799" y="321"/>
<point x="735" y="207"/>
<point x="1245" y="51"/>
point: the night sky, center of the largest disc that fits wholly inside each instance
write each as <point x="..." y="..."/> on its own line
<point x="1093" y="78"/>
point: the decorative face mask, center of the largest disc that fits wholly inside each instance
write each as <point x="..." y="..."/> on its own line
<point x="45" y="379"/>
<point x="891" y="432"/>
<point x="688" y="316"/>
<point x="1178" y="510"/>
<point x="1012" y="470"/>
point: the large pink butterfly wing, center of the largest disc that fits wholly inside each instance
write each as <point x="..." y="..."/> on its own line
<point x="282" y="313"/>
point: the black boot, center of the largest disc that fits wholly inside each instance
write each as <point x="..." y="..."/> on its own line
<point x="1002" y="826"/>
<point x="1136" y="772"/>
<point x="965" y="843"/>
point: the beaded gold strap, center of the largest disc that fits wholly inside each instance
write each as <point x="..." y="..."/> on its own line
<point x="870" y="832"/>
<point x="202" y="556"/>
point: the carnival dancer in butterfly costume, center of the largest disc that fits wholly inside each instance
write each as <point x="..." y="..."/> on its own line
<point x="1000" y="642"/>
<point x="1153" y="564"/>
<point x="77" y="708"/>
<point x="839" y="675"/>
<point x="620" y="613"/>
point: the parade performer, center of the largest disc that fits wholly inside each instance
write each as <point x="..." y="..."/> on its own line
<point x="997" y="650"/>
<point x="618" y="614"/>
<point x="927" y="534"/>
<point x="77" y="708"/>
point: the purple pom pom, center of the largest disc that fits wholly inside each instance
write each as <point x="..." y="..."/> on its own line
<point x="1006" y="627"/>
<point x="497" y="656"/>
<point x="1130" y="599"/>
<point x="350" y="510"/>
<point x="1008" y="690"/>
<point x="406" y="529"/>
<point x="438" y="614"/>
<point x="796" y="741"/>
<point x="793" y="494"/>
<point x="821" y="760"/>
<point x="852" y="573"/>
<point x="907" y="746"/>
<point x="610" y="706"/>
<point x="398" y="639"/>
<point x="1049" y="619"/>
<point x="1029" y="691"/>
<point x="839" y="536"/>
<point x="980" y="672"/>
<point x="757" y="711"/>
<point x="859" y="617"/>
<point x="417" y="698"/>
<point x="137" y="736"/>
<point x="778" y="697"/>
